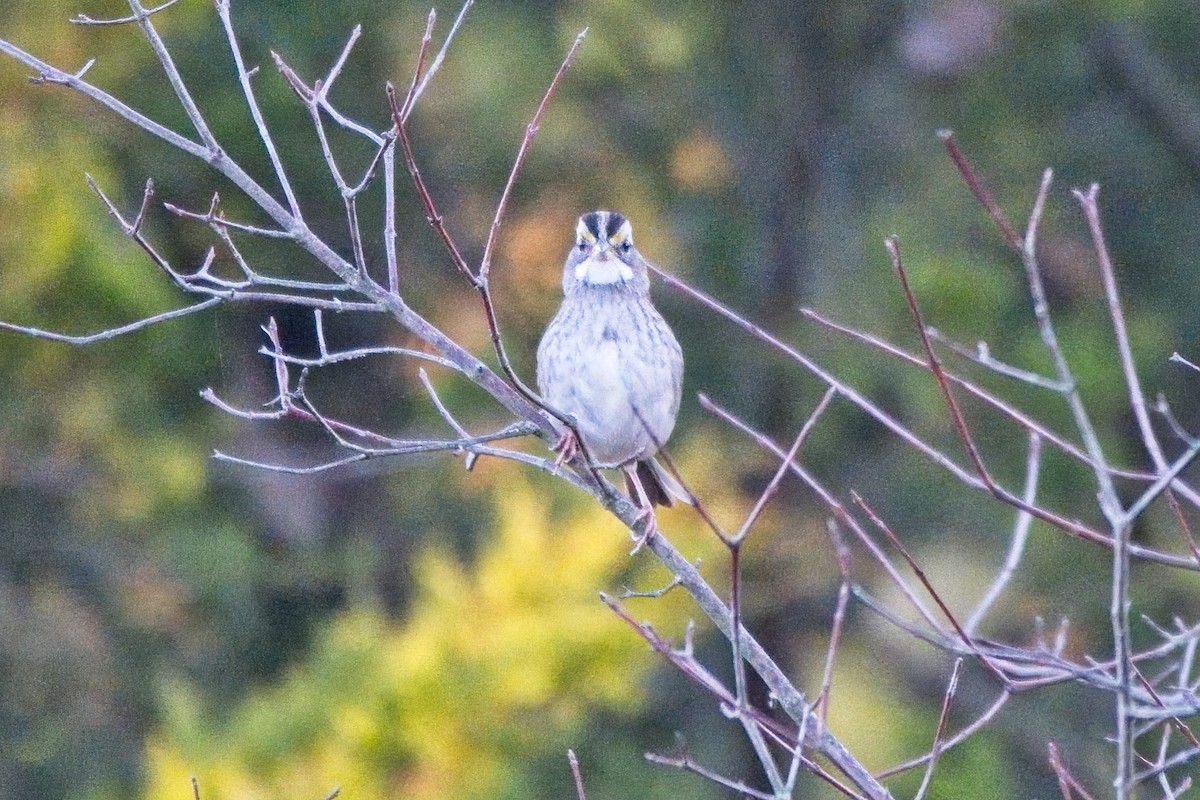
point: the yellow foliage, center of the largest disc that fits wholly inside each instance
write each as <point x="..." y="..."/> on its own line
<point x="495" y="665"/>
<point x="699" y="162"/>
<point x="869" y="710"/>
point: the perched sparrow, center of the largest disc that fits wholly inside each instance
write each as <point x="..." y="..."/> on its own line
<point x="609" y="360"/>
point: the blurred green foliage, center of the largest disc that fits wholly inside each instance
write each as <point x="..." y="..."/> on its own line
<point x="492" y="668"/>
<point x="162" y="615"/>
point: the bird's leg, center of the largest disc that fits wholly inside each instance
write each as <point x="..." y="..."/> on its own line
<point x="646" y="508"/>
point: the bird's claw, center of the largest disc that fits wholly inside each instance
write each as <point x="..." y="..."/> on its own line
<point x="649" y="527"/>
<point x="565" y="448"/>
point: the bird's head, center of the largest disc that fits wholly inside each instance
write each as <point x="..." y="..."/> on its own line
<point x="603" y="254"/>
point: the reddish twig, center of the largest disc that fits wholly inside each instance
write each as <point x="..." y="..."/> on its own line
<point x="965" y="733"/>
<point x="1183" y="526"/>
<point x="485" y="265"/>
<point x="980" y="190"/>
<point x="1066" y="781"/>
<point x="935" y="365"/>
<point x="1179" y="724"/>
<point x="484" y="273"/>
<point x="773" y="485"/>
<point x="400" y="112"/>
<point x="1013" y="413"/>
<point x="935" y="751"/>
<point x="966" y="638"/>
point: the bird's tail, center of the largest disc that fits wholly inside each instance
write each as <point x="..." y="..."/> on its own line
<point x="659" y="484"/>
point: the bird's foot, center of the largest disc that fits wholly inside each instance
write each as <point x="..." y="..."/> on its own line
<point x="649" y="528"/>
<point x="565" y="448"/>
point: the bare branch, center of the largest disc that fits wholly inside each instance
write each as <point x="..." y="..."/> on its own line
<point x="977" y="186"/>
<point x="441" y="55"/>
<point x="84" y="19"/>
<point x="485" y="265"/>
<point x="936" y="750"/>
<point x="937" y="598"/>
<point x="260" y="124"/>
<point x="575" y="773"/>
<point x="211" y="218"/>
<point x="1016" y="547"/>
<point x="1137" y="400"/>
<point x="773" y="486"/>
<point x="110" y="333"/>
<point x="982" y="356"/>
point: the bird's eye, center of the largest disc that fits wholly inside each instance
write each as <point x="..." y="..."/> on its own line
<point x="626" y="246"/>
<point x="582" y="246"/>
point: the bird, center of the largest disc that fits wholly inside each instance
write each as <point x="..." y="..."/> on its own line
<point x="610" y="362"/>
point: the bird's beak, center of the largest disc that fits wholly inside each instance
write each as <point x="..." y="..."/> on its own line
<point x="600" y="268"/>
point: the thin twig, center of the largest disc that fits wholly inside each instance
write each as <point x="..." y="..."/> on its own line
<point x="939" y="733"/>
<point x="576" y="774"/>
<point x="400" y="113"/>
<point x="982" y="355"/>
<point x="684" y="762"/>
<point x="935" y="365"/>
<point x="821" y="706"/>
<point x="142" y="18"/>
<point x="967" y="732"/>
<point x="1066" y="780"/>
<point x="1016" y="546"/>
<point x="977" y="186"/>
<point x="111" y="333"/>
<point x="1161" y="485"/>
<point x="260" y="124"/>
<point x="220" y="220"/>
<point x="1178" y="359"/>
<point x="1137" y="399"/>
<point x="484" y="272"/>
<point x="773" y="485"/>
<point x="441" y="54"/>
<point x="967" y="639"/>
<point x="84" y="19"/>
<point x="1183" y="526"/>
<point x="485" y="264"/>
<point x="446" y="415"/>
<point x="363" y="454"/>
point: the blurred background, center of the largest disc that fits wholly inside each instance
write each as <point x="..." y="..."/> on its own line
<point x="413" y="630"/>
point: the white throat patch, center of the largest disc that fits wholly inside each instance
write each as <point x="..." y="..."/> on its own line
<point x="601" y="273"/>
